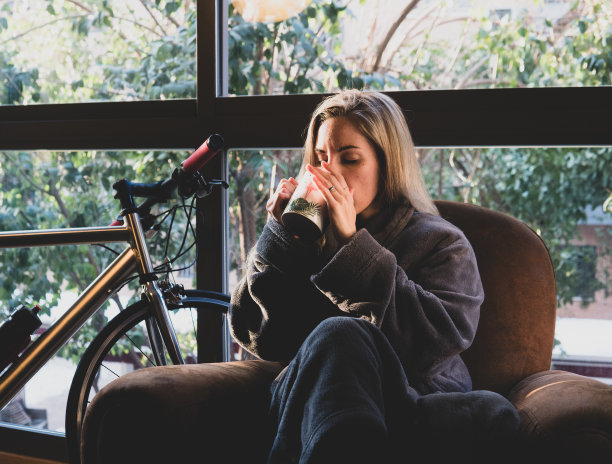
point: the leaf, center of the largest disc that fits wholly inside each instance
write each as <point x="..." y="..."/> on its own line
<point x="171" y="7"/>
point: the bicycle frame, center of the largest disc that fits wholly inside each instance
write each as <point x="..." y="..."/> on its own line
<point x="134" y="258"/>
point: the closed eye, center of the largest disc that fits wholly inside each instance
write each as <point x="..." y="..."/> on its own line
<point x="321" y="156"/>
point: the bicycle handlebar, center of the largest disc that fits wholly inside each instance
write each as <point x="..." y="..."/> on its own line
<point x="187" y="179"/>
<point x="203" y="154"/>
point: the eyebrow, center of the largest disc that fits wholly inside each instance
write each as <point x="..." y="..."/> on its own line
<point x="342" y="148"/>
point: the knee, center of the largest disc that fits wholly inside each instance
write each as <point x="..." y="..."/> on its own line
<point x="341" y="328"/>
<point x="338" y="336"/>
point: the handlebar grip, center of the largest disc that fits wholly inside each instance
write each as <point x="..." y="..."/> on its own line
<point x="203" y="154"/>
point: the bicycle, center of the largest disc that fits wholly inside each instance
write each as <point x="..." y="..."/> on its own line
<point x="159" y="298"/>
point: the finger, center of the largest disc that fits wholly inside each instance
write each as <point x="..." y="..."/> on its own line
<point x="325" y="191"/>
<point x="323" y="176"/>
<point x="333" y="181"/>
<point x="341" y="181"/>
<point x="277" y="202"/>
<point x="291" y="185"/>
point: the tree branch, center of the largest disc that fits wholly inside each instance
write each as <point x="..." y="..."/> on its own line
<point x="144" y="4"/>
<point x="409" y="35"/>
<point x="144" y="26"/>
<point x="22" y="174"/>
<point x="470" y="177"/>
<point x="54" y="192"/>
<point x="41" y="26"/>
<point x="81" y="6"/>
<point x="473" y="70"/>
<point x="425" y="39"/>
<point x="392" y="30"/>
<point x="490" y="81"/>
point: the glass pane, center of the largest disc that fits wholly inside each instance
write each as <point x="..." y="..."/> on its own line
<point x="52" y="189"/>
<point x="325" y="45"/>
<point x="561" y="193"/>
<point x="56" y="51"/>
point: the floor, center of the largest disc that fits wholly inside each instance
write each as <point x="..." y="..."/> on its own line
<point x="7" y="458"/>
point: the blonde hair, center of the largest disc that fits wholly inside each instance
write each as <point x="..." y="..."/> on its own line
<point x="382" y="122"/>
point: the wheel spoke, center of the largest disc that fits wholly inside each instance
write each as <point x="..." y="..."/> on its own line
<point x="123" y="328"/>
<point x="193" y="323"/>
<point x="139" y="349"/>
<point x="110" y="370"/>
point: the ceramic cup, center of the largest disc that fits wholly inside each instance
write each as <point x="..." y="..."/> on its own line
<point x="306" y="213"/>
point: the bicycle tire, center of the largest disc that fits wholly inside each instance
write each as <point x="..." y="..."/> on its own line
<point x="79" y="395"/>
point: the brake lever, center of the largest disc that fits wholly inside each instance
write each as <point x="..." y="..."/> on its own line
<point x="220" y="182"/>
<point x="206" y="187"/>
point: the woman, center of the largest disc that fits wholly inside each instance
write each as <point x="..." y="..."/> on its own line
<point x="372" y="318"/>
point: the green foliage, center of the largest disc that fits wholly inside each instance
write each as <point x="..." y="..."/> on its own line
<point x="116" y="53"/>
<point x="167" y="70"/>
<point x="100" y="50"/>
<point x="574" y="51"/>
<point x="69" y="189"/>
<point x="297" y="55"/>
<point x="551" y="190"/>
<point x="13" y="80"/>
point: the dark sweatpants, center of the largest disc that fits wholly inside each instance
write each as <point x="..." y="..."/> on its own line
<point x="345" y="398"/>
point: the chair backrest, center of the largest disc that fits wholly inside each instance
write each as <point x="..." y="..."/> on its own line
<point x="517" y="321"/>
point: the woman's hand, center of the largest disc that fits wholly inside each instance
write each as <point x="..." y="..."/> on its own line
<point x="339" y="198"/>
<point x="277" y="202"/>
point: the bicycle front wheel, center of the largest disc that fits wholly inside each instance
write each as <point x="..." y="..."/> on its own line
<point x="121" y="347"/>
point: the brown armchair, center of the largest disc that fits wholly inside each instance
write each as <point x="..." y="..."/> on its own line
<point x="172" y="414"/>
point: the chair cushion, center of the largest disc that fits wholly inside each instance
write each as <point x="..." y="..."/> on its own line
<point x="176" y="413"/>
<point x="565" y="414"/>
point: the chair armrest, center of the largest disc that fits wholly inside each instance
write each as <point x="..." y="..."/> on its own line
<point x="567" y="414"/>
<point x="171" y="414"/>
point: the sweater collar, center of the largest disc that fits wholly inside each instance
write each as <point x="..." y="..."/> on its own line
<point x="385" y="226"/>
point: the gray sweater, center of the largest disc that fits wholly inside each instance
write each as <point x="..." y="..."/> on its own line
<point x="412" y="274"/>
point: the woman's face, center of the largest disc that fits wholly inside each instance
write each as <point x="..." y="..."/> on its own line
<point x="351" y="155"/>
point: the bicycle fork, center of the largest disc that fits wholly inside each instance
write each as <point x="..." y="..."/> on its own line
<point x="160" y="328"/>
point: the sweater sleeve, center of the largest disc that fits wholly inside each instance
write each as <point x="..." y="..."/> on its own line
<point x="426" y="296"/>
<point x="275" y="306"/>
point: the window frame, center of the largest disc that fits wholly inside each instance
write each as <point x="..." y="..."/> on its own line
<point x="442" y="118"/>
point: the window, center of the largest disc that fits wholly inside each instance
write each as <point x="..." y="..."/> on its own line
<point x="567" y="113"/>
<point x="545" y="187"/>
<point x="94" y="111"/>
<point x="54" y="189"/>
<point x="421" y="45"/>
<point x="71" y="52"/>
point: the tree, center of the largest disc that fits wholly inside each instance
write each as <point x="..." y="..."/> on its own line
<point x="544" y="187"/>
<point x="152" y="58"/>
<point x="145" y="49"/>
<point x="291" y="56"/>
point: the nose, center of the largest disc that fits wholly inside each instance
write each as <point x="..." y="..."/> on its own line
<point x="332" y="160"/>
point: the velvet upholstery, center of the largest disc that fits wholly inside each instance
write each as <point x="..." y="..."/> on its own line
<point x="565" y="417"/>
<point x="189" y="413"/>
<point x="173" y="414"/>
<point x="520" y="298"/>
